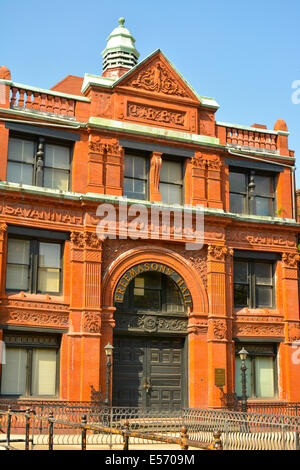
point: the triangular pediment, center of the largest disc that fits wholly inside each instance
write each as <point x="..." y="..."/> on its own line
<point x="156" y="75"/>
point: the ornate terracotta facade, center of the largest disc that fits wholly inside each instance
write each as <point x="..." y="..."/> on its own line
<point x="151" y="108"/>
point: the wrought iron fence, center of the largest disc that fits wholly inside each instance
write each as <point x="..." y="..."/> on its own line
<point x="105" y="427"/>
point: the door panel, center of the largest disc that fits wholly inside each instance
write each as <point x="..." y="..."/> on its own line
<point x="128" y="366"/>
<point x="148" y="372"/>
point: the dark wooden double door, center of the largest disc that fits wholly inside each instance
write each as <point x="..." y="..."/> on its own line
<point x="149" y="372"/>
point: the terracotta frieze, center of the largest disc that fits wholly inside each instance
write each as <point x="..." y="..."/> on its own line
<point x="249" y="329"/>
<point x="156" y="114"/>
<point x="261" y="239"/>
<point x="39" y="214"/>
<point x="24" y="312"/>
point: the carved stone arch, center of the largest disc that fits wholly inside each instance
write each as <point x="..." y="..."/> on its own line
<point x="150" y="254"/>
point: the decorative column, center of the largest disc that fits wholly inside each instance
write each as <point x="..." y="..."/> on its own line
<point x="155" y="166"/>
<point x="85" y="316"/>
<point x="217" y="337"/>
<point x="290" y="363"/>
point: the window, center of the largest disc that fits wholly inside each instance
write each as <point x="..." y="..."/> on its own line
<point x="170" y="182"/>
<point x="153" y="291"/>
<point x="136" y="177"/>
<point x="253" y="284"/>
<point x="31" y="365"/>
<point x="34" y="266"/>
<point x="39" y="162"/>
<point x="261" y="378"/>
<point x="251" y="192"/>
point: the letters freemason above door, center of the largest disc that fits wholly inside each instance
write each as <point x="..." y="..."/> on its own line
<point x="148" y="372"/>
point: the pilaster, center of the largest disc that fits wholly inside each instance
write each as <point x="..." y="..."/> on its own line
<point x="85" y="316"/>
<point x="218" y="327"/>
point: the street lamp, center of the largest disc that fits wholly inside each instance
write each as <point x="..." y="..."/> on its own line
<point x="243" y="356"/>
<point x="108" y="351"/>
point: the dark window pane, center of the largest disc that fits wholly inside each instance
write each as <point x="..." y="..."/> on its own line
<point x="264" y="206"/>
<point x="128" y="168"/>
<point x="21" y="150"/>
<point x="237" y="203"/>
<point x="173" y="299"/>
<point x="170" y="193"/>
<point x="241" y="295"/>
<point x="139" y="187"/>
<point x="237" y="182"/>
<point x="241" y="272"/>
<point x="263" y="273"/>
<point x="57" y="156"/>
<point x="171" y="172"/>
<point x="17" y="270"/>
<point x="128" y="185"/>
<point x="146" y="299"/>
<point x="19" y="173"/>
<point x="56" y="179"/>
<point x="264" y="185"/>
<point x="139" y="167"/>
<point x="264" y="296"/>
<point x="135" y="166"/>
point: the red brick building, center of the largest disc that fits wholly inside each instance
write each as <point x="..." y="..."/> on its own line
<point x="177" y="317"/>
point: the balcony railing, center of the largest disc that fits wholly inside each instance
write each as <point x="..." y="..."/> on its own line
<point x="249" y="138"/>
<point x="31" y="99"/>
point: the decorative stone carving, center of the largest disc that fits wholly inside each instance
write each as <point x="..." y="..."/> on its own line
<point x="92" y="240"/>
<point x="152" y="113"/>
<point x="39" y="318"/>
<point x="258" y="330"/>
<point x="155" y="166"/>
<point x="150" y="323"/>
<point x="219" y="329"/>
<point x="91" y="322"/>
<point x="199" y="161"/>
<point x="104" y="147"/>
<point x="290" y="259"/>
<point x="156" y="78"/>
<point x="77" y="239"/>
<point x="85" y="240"/>
<point x="261" y="238"/>
<point x="218" y="252"/>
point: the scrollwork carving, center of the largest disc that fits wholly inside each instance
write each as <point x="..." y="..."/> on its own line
<point x="156" y="78"/>
<point x="91" y="322"/>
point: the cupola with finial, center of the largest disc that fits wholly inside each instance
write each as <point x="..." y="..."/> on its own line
<point x="120" y="54"/>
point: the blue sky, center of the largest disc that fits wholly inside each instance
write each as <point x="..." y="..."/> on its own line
<point x="245" y="54"/>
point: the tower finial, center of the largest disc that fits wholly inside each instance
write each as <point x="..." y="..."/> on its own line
<point x="120" y="52"/>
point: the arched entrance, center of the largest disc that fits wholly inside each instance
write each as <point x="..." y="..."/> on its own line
<point x="133" y="329"/>
<point x="150" y="355"/>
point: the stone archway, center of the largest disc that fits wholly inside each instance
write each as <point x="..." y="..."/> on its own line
<point x="149" y="254"/>
<point x="144" y="342"/>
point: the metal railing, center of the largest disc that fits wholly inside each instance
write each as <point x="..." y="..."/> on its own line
<point x="124" y="429"/>
<point x="105" y="427"/>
